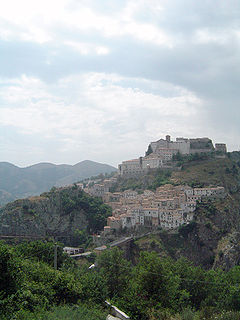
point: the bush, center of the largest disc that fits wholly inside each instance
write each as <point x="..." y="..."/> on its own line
<point x="186" y="229"/>
<point x="227" y="315"/>
<point x="188" y="314"/>
<point x="26" y="284"/>
<point x="43" y="251"/>
<point x="82" y="312"/>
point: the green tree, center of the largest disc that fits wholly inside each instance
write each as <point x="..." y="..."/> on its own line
<point x="153" y="286"/>
<point x="115" y="270"/>
<point x="149" y="150"/>
<point x="94" y="286"/>
<point x="9" y="265"/>
<point x="43" y="251"/>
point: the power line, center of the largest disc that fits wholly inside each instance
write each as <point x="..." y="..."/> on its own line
<point x="177" y="275"/>
<point x="117" y="265"/>
<point x="127" y="268"/>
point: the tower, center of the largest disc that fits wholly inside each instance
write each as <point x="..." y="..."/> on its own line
<point x="168" y="138"/>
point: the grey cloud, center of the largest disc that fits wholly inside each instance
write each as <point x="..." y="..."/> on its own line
<point x="183" y="17"/>
<point x="210" y="70"/>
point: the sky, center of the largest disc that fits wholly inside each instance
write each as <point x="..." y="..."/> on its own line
<point x="101" y="79"/>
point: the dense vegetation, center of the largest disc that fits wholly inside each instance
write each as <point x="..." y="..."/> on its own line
<point x="150" y="180"/>
<point x="69" y="214"/>
<point x="29" y="285"/>
<point x="154" y="288"/>
<point x="163" y="289"/>
<point x="95" y="210"/>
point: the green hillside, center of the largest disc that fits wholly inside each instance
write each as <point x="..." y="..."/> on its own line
<point x="18" y="182"/>
<point x="215" y="172"/>
<point x="159" y="283"/>
<point x="153" y="289"/>
<point x="216" y="226"/>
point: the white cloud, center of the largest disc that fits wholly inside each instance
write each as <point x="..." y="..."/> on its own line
<point x="205" y="36"/>
<point x="87" y="48"/>
<point x="101" y="50"/>
<point x="38" y="21"/>
<point x="190" y="44"/>
<point x="101" y="113"/>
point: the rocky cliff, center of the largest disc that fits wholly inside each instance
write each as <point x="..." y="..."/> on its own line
<point x="59" y="212"/>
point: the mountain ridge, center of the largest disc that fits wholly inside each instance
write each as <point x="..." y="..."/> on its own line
<point x="17" y="182"/>
<point x="211" y="240"/>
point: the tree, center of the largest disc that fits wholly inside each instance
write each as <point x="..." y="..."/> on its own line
<point x="8" y="271"/>
<point x="155" y="281"/>
<point x="149" y="150"/>
<point x="42" y="251"/>
<point x="115" y="271"/>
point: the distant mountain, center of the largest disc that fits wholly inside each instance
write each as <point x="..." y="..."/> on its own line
<point x="18" y="182"/>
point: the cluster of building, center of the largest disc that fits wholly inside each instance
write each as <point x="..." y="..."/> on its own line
<point x="168" y="207"/>
<point x="100" y="188"/>
<point x="160" y="153"/>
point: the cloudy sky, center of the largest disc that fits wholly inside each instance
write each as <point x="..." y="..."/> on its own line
<point x="100" y="79"/>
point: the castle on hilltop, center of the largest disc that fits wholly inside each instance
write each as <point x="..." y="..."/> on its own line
<point x="160" y="153"/>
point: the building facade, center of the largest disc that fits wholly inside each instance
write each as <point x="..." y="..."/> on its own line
<point x="160" y="154"/>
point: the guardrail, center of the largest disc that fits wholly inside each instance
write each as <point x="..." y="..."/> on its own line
<point x="116" y="312"/>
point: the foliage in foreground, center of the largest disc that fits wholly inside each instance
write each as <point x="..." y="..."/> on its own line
<point x="82" y="312"/>
<point x="30" y="284"/>
<point x="164" y="289"/>
<point x="155" y="288"/>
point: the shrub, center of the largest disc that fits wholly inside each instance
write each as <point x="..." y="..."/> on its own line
<point x="82" y="312"/>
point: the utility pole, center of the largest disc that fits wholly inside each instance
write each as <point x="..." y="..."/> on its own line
<point x="55" y="255"/>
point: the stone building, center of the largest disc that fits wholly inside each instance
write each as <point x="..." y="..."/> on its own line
<point x="161" y="152"/>
<point x="140" y="165"/>
<point x="168" y="207"/>
<point x="221" y="147"/>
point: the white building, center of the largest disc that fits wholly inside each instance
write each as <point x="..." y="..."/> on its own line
<point x="130" y="167"/>
<point x="130" y="194"/>
<point x="209" y="192"/>
<point x="168" y="207"/>
<point x="151" y="162"/>
<point x="168" y="148"/>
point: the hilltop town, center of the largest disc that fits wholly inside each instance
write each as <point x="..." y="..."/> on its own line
<point x="161" y="153"/>
<point x="190" y="213"/>
<point x="167" y="207"/>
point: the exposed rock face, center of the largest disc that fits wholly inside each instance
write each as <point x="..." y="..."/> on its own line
<point x="58" y="213"/>
<point x="214" y="221"/>
<point x="40" y="216"/>
<point x="212" y="240"/>
<point x="228" y="254"/>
